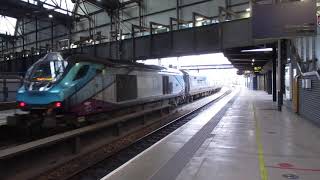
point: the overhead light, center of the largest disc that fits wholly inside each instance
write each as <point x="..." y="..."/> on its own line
<point x="258" y="50"/>
<point x="160" y="27"/>
<point x="199" y="19"/>
<point x="252" y="64"/>
<point x="248" y="9"/>
<point x="50" y="16"/>
<point x="253" y="60"/>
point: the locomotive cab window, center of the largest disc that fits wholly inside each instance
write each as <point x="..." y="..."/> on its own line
<point x="82" y="72"/>
<point x="46" y="71"/>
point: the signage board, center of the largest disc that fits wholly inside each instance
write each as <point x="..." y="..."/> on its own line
<point x="284" y="20"/>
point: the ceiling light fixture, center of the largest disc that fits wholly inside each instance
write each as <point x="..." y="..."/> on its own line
<point x="199" y="19"/>
<point x="258" y="50"/>
<point x="50" y="16"/>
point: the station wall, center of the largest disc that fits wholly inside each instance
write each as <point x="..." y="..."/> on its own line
<point x="308" y="49"/>
<point x="309" y="100"/>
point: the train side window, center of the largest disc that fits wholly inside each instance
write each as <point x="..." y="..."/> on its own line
<point x="82" y="72"/>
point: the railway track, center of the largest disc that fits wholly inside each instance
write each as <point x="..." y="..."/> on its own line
<point x="111" y="163"/>
<point x="62" y="156"/>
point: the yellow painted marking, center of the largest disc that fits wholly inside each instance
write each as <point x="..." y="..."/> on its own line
<point x="262" y="164"/>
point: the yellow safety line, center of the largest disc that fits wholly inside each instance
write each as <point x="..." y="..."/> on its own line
<point x="262" y="166"/>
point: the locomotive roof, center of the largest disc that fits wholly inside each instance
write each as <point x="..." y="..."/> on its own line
<point x="117" y="63"/>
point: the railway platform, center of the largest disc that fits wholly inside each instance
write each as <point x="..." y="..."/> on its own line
<point x="5" y="113"/>
<point x="242" y="136"/>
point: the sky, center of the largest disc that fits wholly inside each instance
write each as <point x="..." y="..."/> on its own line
<point x="7" y="25"/>
<point x="205" y="59"/>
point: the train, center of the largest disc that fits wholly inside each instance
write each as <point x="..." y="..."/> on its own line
<point x="81" y="85"/>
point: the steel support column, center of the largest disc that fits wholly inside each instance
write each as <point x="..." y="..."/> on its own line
<point x="280" y="74"/>
<point x="36" y="33"/>
<point x="52" y="35"/>
<point x="269" y="82"/>
<point x="110" y="38"/>
<point x="140" y="14"/>
<point x="274" y="75"/>
<point x="133" y="43"/>
<point x="70" y="36"/>
<point x="2" y="49"/>
<point x="23" y="34"/>
<point x="151" y="38"/>
<point x="171" y="34"/>
<point x="178" y="14"/>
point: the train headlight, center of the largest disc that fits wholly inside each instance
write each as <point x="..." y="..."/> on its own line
<point x="57" y="104"/>
<point x="22" y="104"/>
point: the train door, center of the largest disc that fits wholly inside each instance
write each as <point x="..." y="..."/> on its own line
<point x="126" y="87"/>
<point x="98" y="86"/>
<point x="186" y="82"/>
<point x="167" y="86"/>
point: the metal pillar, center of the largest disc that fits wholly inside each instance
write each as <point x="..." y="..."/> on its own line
<point x="171" y="34"/>
<point x="255" y="82"/>
<point x="178" y="14"/>
<point x="133" y="43"/>
<point x="274" y="76"/>
<point x="2" y="49"/>
<point x="23" y="34"/>
<point x="269" y="82"/>
<point x="280" y="75"/>
<point x="36" y="33"/>
<point x="52" y="35"/>
<point x="140" y="14"/>
<point x="111" y="38"/>
<point x="70" y="36"/>
<point x="151" y="38"/>
<point x="24" y="63"/>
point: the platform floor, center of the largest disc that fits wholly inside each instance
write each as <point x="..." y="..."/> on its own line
<point x="4" y="114"/>
<point x="243" y="138"/>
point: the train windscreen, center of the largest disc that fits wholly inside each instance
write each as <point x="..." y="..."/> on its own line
<point x="45" y="71"/>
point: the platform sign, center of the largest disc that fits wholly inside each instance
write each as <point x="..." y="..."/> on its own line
<point x="257" y="69"/>
<point x="284" y="20"/>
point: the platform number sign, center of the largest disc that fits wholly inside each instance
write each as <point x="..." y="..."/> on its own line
<point x="257" y="69"/>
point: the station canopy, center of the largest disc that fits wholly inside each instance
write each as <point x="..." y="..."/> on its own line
<point x="11" y="11"/>
<point x="61" y="6"/>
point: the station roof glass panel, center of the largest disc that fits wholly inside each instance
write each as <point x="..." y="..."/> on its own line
<point x="61" y="6"/>
<point x="7" y="25"/>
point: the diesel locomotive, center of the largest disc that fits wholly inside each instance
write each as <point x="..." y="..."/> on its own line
<point x="81" y="85"/>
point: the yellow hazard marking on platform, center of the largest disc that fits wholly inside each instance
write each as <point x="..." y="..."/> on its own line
<point x="262" y="164"/>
